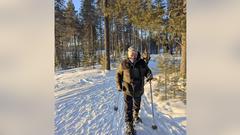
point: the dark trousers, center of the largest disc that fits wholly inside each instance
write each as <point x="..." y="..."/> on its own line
<point x="132" y="107"/>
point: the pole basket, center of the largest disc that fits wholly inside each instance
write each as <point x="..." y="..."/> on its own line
<point x="154" y="127"/>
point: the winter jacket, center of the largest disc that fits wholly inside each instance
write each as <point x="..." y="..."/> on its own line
<point x="130" y="77"/>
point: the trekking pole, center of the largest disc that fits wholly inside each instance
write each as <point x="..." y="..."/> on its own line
<point x="116" y="105"/>
<point x="154" y="126"/>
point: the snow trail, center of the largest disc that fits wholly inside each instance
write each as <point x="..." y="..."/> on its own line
<point x="84" y="106"/>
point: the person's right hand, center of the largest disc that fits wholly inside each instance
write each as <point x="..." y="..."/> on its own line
<point x="150" y="77"/>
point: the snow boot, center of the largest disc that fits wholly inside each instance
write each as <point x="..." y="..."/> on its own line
<point x="136" y="118"/>
<point x="129" y="128"/>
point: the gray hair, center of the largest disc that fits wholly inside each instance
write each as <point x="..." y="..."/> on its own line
<point x="132" y="48"/>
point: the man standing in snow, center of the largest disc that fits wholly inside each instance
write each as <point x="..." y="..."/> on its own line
<point x="130" y="79"/>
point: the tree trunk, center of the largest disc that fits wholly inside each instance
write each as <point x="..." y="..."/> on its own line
<point x="165" y="82"/>
<point x="122" y="39"/>
<point x="93" y="48"/>
<point x="101" y="38"/>
<point x="183" y="56"/>
<point x="106" y="32"/>
<point x="141" y="41"/>
<point x="75" y="52"/>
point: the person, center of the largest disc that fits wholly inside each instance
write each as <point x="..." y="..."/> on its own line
<point x="130" y="79"/>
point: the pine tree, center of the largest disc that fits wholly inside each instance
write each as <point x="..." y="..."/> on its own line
<point x="70" y="39"/>
<point x="164" y="66"/>
<point x="177" y="24"/>
<point x="59" y="32"/>
<point x="88" y="16"/>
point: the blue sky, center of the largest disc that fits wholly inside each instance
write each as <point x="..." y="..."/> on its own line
<point x="77" y="4"/>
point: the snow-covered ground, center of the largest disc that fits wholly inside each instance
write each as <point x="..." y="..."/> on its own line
<point x="85" y="100"/>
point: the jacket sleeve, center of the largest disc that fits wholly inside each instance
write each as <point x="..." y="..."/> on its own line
<point x="119" y="77"/>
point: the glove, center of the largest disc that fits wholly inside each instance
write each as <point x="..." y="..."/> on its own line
<point x="119" y="88"/>
<point x="149" y="77"/>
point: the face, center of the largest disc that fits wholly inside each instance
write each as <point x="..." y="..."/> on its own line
<point x="132" y="55"/>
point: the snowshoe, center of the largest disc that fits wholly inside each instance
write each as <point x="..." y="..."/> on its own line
<point x="131" y="132"/>
<point x="130" y="129"/>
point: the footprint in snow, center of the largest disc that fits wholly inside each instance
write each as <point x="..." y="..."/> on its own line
<point x="86" y="81"/>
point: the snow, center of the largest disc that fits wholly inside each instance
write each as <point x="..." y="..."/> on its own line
<point x="85" y="99"/>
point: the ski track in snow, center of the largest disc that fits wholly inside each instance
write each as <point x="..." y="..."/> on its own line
<point x="84" y="106"/>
